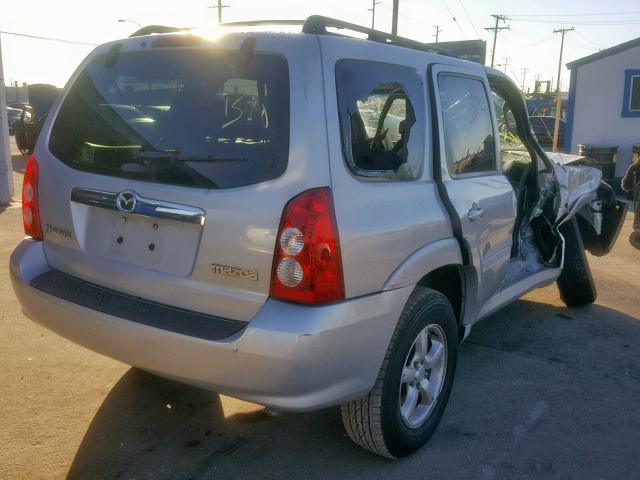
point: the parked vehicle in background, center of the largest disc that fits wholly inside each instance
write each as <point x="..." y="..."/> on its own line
<point x="34" y="114"/>
<point x="13" y="115"/>
<point x="543" y="128"/>
<point x="298" y="220"/>
<point x="27" y="129"/>
<point x="544" y="105"/>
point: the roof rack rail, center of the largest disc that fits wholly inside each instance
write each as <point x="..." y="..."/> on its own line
<point x="258" y="23"/>
<point x="318" y="24"/>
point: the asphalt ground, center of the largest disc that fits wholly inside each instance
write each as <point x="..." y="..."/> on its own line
<point x="541" y="392"/>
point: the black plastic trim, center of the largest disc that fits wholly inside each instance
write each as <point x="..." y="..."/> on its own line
<point x="456" y="225"/>
<point x="135" y="309"/>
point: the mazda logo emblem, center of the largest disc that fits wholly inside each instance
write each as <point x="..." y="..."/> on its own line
<point x="126" y="202"/>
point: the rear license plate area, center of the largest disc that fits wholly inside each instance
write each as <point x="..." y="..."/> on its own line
<point x="166" y="246"/>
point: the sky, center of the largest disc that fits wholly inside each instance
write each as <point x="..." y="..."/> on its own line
<point x="530" y="43"/>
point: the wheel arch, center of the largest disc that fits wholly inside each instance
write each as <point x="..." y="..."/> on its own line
<point x="450" y="281"/>
<point x="438" y="266"/>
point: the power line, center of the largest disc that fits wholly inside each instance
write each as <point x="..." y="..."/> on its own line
<point x="454" y="19"/>
<point x="589" y="40"/>
<point x="536" y="41"/>
<point x="515" y="75"/>
<point x="407" y="17"/>
<point x="582" y="45"/>
<point x="630" y="21"/>
<point x="469" y="18"/>
<point x="51" y="39"/>
<point x="526" y="37"/>
<point x="570" y="14"/>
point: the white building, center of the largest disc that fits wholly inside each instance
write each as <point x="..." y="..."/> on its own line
<point x="604" y="101"/>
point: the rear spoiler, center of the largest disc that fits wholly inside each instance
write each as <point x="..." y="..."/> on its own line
<point x="151" y="29"/>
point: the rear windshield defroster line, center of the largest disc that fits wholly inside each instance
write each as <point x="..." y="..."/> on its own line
<point x="189" y="117"/>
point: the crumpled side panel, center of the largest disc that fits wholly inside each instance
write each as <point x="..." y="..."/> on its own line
<point x="575" y="183"/>
<point x="528" y="261"/>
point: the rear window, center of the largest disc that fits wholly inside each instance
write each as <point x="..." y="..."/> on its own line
<point x="196" y="118"/>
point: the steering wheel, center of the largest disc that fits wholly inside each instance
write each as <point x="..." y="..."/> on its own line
<point x="376" y="143"/>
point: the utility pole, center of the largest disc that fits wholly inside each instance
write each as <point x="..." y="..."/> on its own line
<point x="524" y="75"/>
<point x="220" y="6"/>
<point x="556" y="128"/>
<point x="506" y="64"/>
<point x="438" y="30"/>
<point x="495" y="30"/>
<point x="373" y="13"/>
<point x="394" y="18"/>
<point x="6" y="168"/>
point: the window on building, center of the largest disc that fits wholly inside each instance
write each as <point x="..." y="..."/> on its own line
<point x="468" y="128"/>
<point x="634" y="96"/>
<point x="382" y="118"/>
<point x="631" y="102"/>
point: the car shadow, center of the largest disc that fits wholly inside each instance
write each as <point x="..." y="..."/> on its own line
<point x="527" y="356"/>
<point x="151" y="427"/>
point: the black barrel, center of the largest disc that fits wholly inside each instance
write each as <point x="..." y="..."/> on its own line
<point x="602" y="157"/>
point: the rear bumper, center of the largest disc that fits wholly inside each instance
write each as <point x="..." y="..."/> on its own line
<point x="289" y="357"/>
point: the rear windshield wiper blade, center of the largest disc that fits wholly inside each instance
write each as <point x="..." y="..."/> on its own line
<point x="169" y="155"/>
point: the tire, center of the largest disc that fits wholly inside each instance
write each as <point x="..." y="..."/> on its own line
<point x="575" y="283"/>
<point x="634" y="239"/>
<point x="375" y="422"/>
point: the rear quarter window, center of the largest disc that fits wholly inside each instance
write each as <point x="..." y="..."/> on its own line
<point x="381" y="108"/>
<point x="188" y="117"/>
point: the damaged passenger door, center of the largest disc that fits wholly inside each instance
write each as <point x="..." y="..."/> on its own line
<point x="552" y="193"/>
<point x="583" y="195"/>
<point x="481" y="196"/>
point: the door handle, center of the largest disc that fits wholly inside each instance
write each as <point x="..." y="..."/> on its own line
<point x="475" y="214"/>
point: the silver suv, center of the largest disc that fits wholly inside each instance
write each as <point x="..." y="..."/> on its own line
<point x="299" y="220"/>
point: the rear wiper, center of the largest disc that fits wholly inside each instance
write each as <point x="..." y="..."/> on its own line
<point x="175" y="155"/>
<point x="212" y="159"/>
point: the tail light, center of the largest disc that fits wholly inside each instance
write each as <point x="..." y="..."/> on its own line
<point x="30" y="206"/>
<point x="307" y="265"/>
